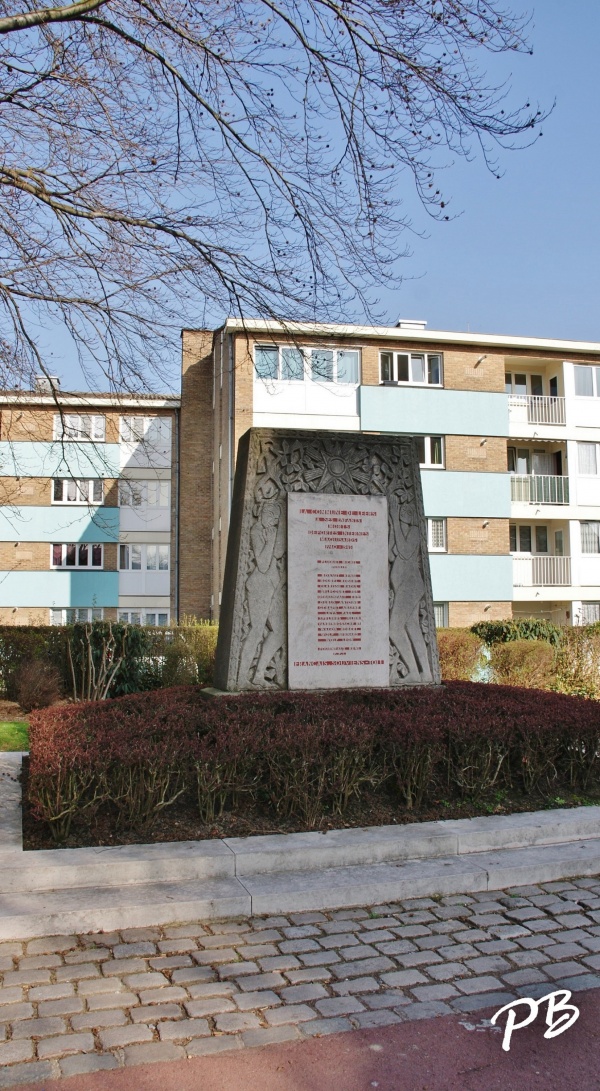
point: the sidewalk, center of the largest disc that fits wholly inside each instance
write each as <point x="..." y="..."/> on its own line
<point x="103" y="1002"/>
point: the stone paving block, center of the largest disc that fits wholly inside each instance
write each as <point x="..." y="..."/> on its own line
<point x="545" y="925"/>
<point x="562" y="969"/>
<point x="529" y="976"/>
<point x="254" y="1001"/>
<point x="339" y="1005"/>
<point x="231" y="927"/>
<point x="299" y="993"/>
<point x="51" y="992"/>
<point x="428" y="993"/>
<point x="298" y="946"/>
<point x="509" y="931"/>
<point x="183" y="1028"/>
<point x="381" y="1018"/>
<point x="156" y="1012"/>
<point x="104" y="1001"/>
<point x="419" y="958"/>
<point x="480" y="1001"/>
<point x="10" y="1012"/>
<point x="527" y="958"/>
<point x="212" y="988"/>
<point x="320" y="958"/>
<point x="355" y="985"/>
<point x="233" y="1022"/>
<point x="30" y="1072"/>
<point x="427" y="1010"/>
<point x="118" y="1037"/>
<point x="203" y="1047"/>
<point x="163" y="996"/>
<point x="320" y="1027"/>
<point x="210" y="1006"/>
<point x="149" y="980"/>
<point x="192" y="975"/>
<point x="92" y="1020"/>
<point x="119" y="966"/>
<point x="573" y="920"/>
<point x="591" y="960"/>
<point x="27" y="977"/>
<point x="7" y="963"/>
<point x="486" y="983"/>
<point x="138" y="935"/>
<point x="422" y="916"/>
<point x="448" y="927"/>
<point x="15" y="1051"/>
<point x="361" y="951"/>
<point x="87" y="970"/>
<point x="177" y="946"/>
<point x="289" y="1013"/>
<point x="52" y="945"/>
<point x="263" y="935"/>
<point x="171" y="962"/>
<point x="340" y="926"/>
<point x="363" y="967"/>
<point x="559" y="951"/>
<point x="12" y="947"/>
<point x="94" y="939"/>
<point x="579" y="982"/>
<point x="260" y="951"/>
<point x="403" y="978"/>
<point x="237" y="969"/>
<point x="430" y="943"/>
<point x="390" y="998"/>
<point x="129" y="950"/>
<point x="309" y="973"/>
<point x="99" y="985"/>
<point x="261" y="981"/>
<point x="279" y="962"/>
<point x="534" y="942"/>
<point x="448" y="971"/>
<point x="81" y="1064"/>
<point x="488" y="964"/>
<point x="183" y="931"/>
<point x="381" y="935"/>
<point x="40" y="962"/>
<point x="88" y="956"/>
<point x="265" y="1036"/>
<point x="67" y="1043"/>
<point x="72" y="1005"/>
<point x="149" y="1052"/>
<point x="339" y="940"/>
<point x="572" y="935"/>
<point x="38" y="1028"/>
<point x="14" y="995"/>
<point x="301" y="931"/>
<point x="411" y="931"/>
<point x="527" y="913"/>
<point x="308" y="917"/>
<point x="474" y="935"/>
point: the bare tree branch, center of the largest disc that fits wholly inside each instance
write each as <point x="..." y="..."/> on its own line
<point x="48" y="15"/>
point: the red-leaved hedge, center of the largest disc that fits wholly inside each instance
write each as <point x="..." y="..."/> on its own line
<point x="305" y="755"/>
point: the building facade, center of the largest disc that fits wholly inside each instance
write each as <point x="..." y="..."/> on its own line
<point x="509" y="437"/>
<point x="86" y="498"/>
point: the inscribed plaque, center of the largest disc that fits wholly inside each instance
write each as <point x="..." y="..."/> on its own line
<point x="338" y="597"/>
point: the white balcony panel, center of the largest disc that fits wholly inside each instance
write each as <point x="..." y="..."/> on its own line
<point x="584" y="412"/>
<point x="539" y="489"/>
<point x="145" y="518"/>
<point x="144" y="583"/>
<point x="274" y="400"/>
<point x="541" y="571"/>
<point x="588" y="491"/>
<point x="535" y="409"/>
<point x="589" y="570"/>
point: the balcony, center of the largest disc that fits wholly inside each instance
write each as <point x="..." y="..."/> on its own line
<point x="536" y="409"/>
<point x="539" y="489"/>
<point x="541" y="571"/>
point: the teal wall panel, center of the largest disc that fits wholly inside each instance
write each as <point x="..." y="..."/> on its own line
<point x="466" y="494"/>
<point x="60" y="524"/>
<point x="430" y="411"/>
<point x="59" y="459"/>
<point x="59" y="589"/>
<point x="457" y="578"/>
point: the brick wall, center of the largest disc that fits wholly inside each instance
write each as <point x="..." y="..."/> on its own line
<point x="36" y="556"/>
<point x="469" y="453"/>
<point x="469" y="536"/>
<point x="461" y="615"/>
<point x="195" y="488"/>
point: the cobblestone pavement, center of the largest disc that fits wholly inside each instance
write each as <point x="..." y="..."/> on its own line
<point x="77" y="1004"/>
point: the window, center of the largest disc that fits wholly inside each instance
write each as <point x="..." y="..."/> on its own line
<point x="152" y="558"/>
<point x="79" y="426"/>
<point x="590" y="613"/>
<point x="294" y="364"/>
<point x="587" y="458"/>
<point x="416" y="368"/>
<point x="541" y="539"/>
<point x="130" y="494"/>
<point x="156" y="494"/>
<point x="144" y="617"/>
<point x="587" y="381"/>
<point x="590" y="537"/>
<point x="520" y="539"/>
<point x="559" y="543"/>
<point x="67" y="490"/>
<point x="154" y="431"/>
<point x="436" y="535"/>
<point x="70" y="616"/>
<point x="76" y="555"/>
<point x="512" y="530"/>
<point x="440" y="614"/>
<point x="431" y="450"/>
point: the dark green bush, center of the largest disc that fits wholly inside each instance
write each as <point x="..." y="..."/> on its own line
<point x="528" y="628"/>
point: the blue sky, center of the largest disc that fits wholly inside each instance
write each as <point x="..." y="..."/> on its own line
<point x="521" y="255"/>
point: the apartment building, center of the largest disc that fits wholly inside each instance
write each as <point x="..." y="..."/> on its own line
<point x="509" y="438"/>
<point x="87" y="506"/>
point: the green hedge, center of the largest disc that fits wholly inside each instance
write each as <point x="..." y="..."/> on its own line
<point x="529" y="628"/>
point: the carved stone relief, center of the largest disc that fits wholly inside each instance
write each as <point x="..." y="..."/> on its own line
<point x="252" y="652"/>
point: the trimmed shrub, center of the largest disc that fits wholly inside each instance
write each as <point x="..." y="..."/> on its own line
<point x="306" y="756"/>
<point x="529" y="628"/>
<point x="37" y="684"/>
<point x="528" y="663"/>
<point x="578" y="662"/>
<point x="460" y="654"/>
<point x="19" y="644"/>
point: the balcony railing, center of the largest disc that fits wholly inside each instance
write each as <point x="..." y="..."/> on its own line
<point x="541" y="571"/>
<point x="539" y="489"/>
<point x="537" y="409"/>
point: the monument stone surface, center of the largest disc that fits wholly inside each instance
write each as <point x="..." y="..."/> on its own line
<point x="327" y="574"/>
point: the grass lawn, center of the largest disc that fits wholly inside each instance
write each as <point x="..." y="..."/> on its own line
<point x="14" y="735"/>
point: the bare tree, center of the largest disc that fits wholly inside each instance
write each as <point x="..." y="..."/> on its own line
<point x="171" y="161"/>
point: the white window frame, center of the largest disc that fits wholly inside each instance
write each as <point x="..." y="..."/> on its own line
<point x="61" y="616"/>
<point x="135" y="429"/>
<point x="440" y="611"/>
<point x="592" y="610"/>
<point x="428" y="464"/>
<point x="89" y="567"/>
<point x="412" y="356"/>
<point x="144" y="613"/>
<point x="593" y="523"/>
<point x="80" y="427"/>
<point x="587" y="444"/>
<point x="433" y="534"/>
<point x="84" y="488"/>
<point x="149" y="551"/>
<point x="595" y="380"/>
<point x="136" y="494"/>
<point x="307" y="351"/>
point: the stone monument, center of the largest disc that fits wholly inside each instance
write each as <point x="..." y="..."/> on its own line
<point x="327" y="574"/>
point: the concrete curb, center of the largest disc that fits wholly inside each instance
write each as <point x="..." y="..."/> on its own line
<point x="70" y="890"/>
